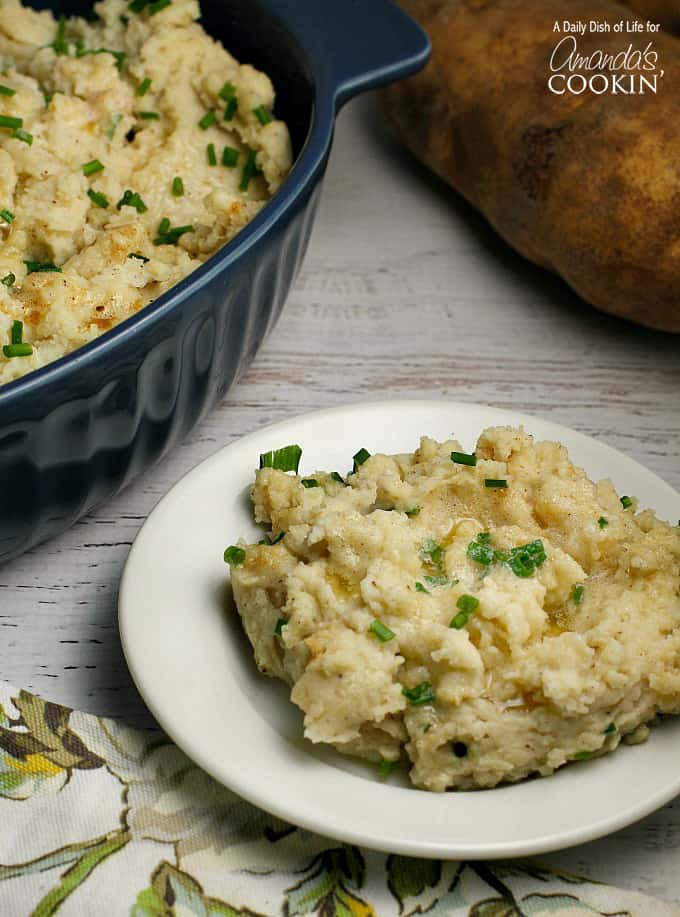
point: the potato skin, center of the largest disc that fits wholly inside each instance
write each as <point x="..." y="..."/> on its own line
<point x="587" y="186"/>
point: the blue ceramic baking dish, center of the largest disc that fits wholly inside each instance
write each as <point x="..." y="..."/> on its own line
<point x="75" y="432"/>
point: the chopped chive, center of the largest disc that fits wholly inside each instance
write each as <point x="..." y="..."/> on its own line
<point x="17" y="350"/>
<point x="7" y="216"/>
<point x="229" y="157"/>
<point x="278" y="538"/>
<point x="17" y="333"/>
<point x="115" y="121"/>
<point x="262" y="115"/>
<point x="10" y="122"/>
<point x="359" y="458"/>
<point x="118" y="56"/>
<point x="309" y="482"/>
<point x="602" y="522"/>
<point x="385" y="768"/>
<point x="413" y="511"/>
<point x="207" y="119"/>
<point x="495" y="482"/>
<point x="138" y="257"/>
<point x="626" y="502"/>
<point x="228" y="91"/>
<point x="524" y="559"/>
<point x="24" y="136"/>
<point x="284" y="459"/>
<point x="337" y="477"/>
<point x="421" y="694"/>
<point x="231" y="108"/>
<point x="467" y="604"/>
<point x="143" y="87"/>
<point x="41" y="267"/>
<point x="94" y="165"/>
<point x="164" y="226"/>
<point x="578" y="593"/>
<point x="177" y="186"/>
<point x="234" y="556"/>
<point x="459" y="749"/>
<point x="431" y="552"/>
<point x="437" y="580"/>
<point x="132" y="199"/>
<point x="98" y="199"/>
<point x="211" y="154"/>
<point x="464" y="458"/>
<point x="610" y="729"/>
<point x="250" y="169"/>
<point x="6" y="91"/>
<point x="157" y="6"/>
<point x="47" y="96"/>
<point x="124" y="21"/>
<point x="583" y="755"/>
<point x="148" y="115"/>
<point x="8" y="280"/>
<point x="381" y="631"/>
<point x="60" y="45"/>
<point x="172" y="236"/>
<point x="280" y="624"/>
<point x="421" y="588"/>
<point x="136" y="6"/>
<point x="480" y="550"/>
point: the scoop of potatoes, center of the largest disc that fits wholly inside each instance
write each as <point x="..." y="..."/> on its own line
<point x="585" y="184"/>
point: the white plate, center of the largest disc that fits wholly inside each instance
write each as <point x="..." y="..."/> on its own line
<point x="194" y="667"/>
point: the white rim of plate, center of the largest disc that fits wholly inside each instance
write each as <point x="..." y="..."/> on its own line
<point x="371" y="795"/>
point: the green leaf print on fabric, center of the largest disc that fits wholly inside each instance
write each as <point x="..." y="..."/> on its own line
<point x="174" y="893"/>
<point x="538" y="905"/>
<point x="330" y="885"/>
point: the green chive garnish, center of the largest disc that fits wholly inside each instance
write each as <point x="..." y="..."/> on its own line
<point x="250" y="169"/>
<point x="138" y="257"/>
<point x="385" y="768"/>
<point x="583" y="755"/>
<point x="207" y="119"/>
<point x="262" y="115"/>
<point x="10" y="122"/>
<point x="115" y="121"/>
<point x="6" y="91"/>
<point x="337" y="477"/>
<point x="17" y="333"/>
<point x="170" y="236"/>
<point x="144" y="87"/>
<point x="231" y="109"/>
<point x="467" y="604"/>
<point x="421" y="588"/>
<point x="626" y="502"/>
<point x="60" y="45"/>
<point x="132" y="199"/>
<point x="577" y="594"/>
<point x="118" y="56"/>
<point x="148" y="115"/>
<point x="525" y="559"/>
<point x="495" y="482"/>
<point x="285" y="459"/>
<point x="463" y="458"/>
<point x="98" y="199"/>
<point x="177" y="186"/>
<point x="211" y="154"/>
<point x="94" y="165"/>
<point x="234" y="556"/>
<point x="602" y="522"/>
<point x="610" y="729"/>
<point x="7" y="216"/>
<point x="431" y="552"/>
<point x="280" y="624"/>
<point x="41" y="267"/>
<point x="228" y="91"/>
<point x="24" y="136"/>
<point x="309" y="482"/>
<point x="8" y="280"/>
<point x="413" y="511"/>
<point x="381" y="631"/>
<point x="421" y="694"/>
<point x="47" y="96"/>
<point x="278" y="538"/>
<point x="359" y="458"/>
<point x="157" y="6"/>
<point x="437" y="580"/>
<point x="164" y="226"/>
<point x="17" y="350"/>
<point x="229" y="157"/>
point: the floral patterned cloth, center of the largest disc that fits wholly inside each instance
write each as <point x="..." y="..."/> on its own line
<point x="99" y="819"/>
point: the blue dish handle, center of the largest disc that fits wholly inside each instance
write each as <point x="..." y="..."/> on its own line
<point x="355" y="45"/>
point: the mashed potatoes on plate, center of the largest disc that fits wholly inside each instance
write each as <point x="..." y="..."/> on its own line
<point x="132" y="147"/>
<point x="484" y="617"/>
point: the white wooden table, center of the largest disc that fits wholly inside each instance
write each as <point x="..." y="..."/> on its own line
<point x="405" y="292"/>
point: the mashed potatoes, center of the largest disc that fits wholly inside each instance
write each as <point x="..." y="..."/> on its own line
<point x="132" y="148"/>
<point x="487" y="617"/>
